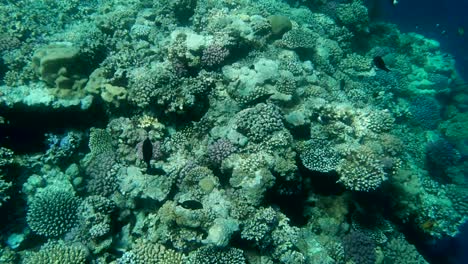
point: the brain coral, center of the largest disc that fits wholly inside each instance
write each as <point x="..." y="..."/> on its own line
<point x="53" y="213"/>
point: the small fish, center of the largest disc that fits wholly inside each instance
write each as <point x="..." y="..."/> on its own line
<point x="192" y="205"/>
<point x="461" y="31"/>
<point x="147" y="150"/>
<point x="380" y="63"/>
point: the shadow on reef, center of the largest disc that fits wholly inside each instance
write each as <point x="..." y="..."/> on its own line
<point x="294" y="201"/>
<point x="25" y="131"/>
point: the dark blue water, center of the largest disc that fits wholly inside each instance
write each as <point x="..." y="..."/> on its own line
<point x="437" y="19"/>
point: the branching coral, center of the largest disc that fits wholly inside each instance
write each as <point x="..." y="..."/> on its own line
<point x="320" y="156"/>
<point x="53" y="213"/>
<point x="102" y="172"/>
<point x="146" y="252"/>
<point x="260" y="225"/>
<point x="398" y="250"/>
<point x="4" y="185"/>
<point x="359" y="248"/>
<point x="220" y="150"/>
<point x="58" y="252"/>
<point x="259" y="122"/>
<point x="213" y="255"/>
<point x="361" y="172"/>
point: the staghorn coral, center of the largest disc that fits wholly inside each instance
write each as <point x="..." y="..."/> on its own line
<point x="353" y="15"/>
<point x="95" y="216"/>
<point x="52" y="213"/>
<point x="214" y="55"/>
<point x="6" y="156"/>
<point x="379" y="121"/>
<point x="100" y="141"/>
<point x="458" y="195"/>
<point x="62" y="146"/>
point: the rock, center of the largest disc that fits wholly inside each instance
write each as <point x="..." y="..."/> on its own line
<point x="60" y="66"/>
<point x="279" y="25"/>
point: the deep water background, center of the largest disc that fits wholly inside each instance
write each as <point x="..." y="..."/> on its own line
<point x="437" y="19"/>
<point x="440" y="20"/>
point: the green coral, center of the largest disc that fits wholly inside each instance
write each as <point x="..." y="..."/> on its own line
<point x="146" y="252"/>
<point x="100" y="141"/>
<point x="299" y="38"/>
<point x="353" y="15"/>
<point x="6" y="156"/>
<point x="398" y="250"/>
<point x="58" y="252"/>
<point x="4" y="186"/>
<point x="455" y="128"/>
<point x="260" y="122"/>
<point x="53" y="213"/>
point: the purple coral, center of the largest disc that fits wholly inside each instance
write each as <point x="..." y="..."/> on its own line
<point x="214" y="55"/>
<point x="220" y="150"/>
<point x="359" y="247"/>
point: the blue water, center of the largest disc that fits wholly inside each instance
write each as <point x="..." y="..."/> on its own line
<point x="438" y="19"/>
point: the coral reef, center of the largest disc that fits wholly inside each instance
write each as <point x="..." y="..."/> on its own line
<point x="200" y="131"/>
